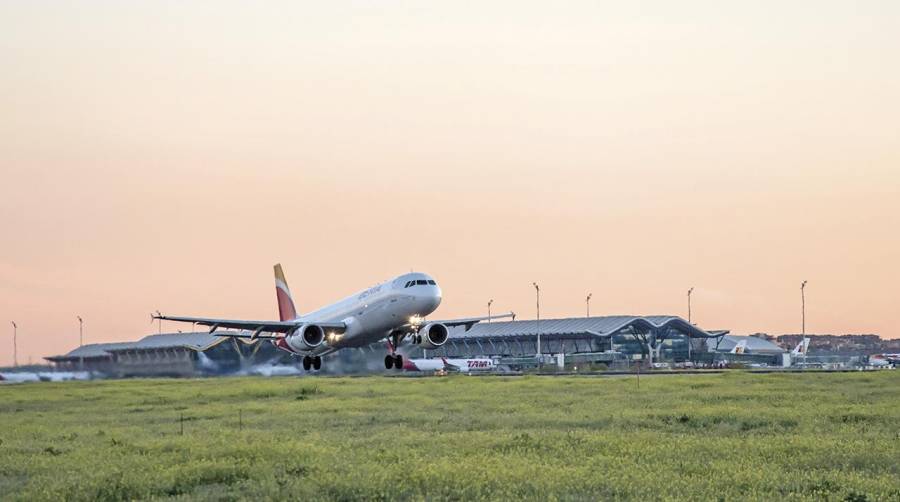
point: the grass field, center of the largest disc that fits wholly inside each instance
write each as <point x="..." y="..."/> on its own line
<point x="732" y="436"/>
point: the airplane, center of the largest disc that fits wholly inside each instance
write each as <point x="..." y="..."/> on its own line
<point x="801" y="349"/>
<point x="393" y="310"/>
<point x="446" y="364"/>
<point x="882" y="360"/>
<point x="739" y="348"/>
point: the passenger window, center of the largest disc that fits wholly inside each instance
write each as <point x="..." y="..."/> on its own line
<point x="421" y="282"/>
<point x="432" y="283"/>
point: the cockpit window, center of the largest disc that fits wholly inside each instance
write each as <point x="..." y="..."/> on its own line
<point x="421" y="282"/>
<point x="409" y="283"/>
<point x="432" y="282"/>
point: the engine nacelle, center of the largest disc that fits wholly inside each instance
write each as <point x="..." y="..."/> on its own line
<point x="306" y="337"/>
<point x="432" y="336"/>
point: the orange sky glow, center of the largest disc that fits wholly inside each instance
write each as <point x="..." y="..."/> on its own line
<point x="164" y="155"/>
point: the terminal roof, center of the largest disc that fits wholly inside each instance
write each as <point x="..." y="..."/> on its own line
<point x="597" y="326"/>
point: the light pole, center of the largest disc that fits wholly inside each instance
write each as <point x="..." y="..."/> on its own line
<point x="587" y="302"/>
<point x="15" y="346"/>
<point x="537" y="326"/>
<point x="489" y="309"/>
<point x="689" y="304"/>
<point x="80" y="331"/>
<point x="803" y="306"/>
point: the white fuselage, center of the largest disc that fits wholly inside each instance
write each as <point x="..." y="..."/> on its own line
<point x="447" y="364"/>
<point x="468" y="365"/>
<point x="372" y="314"/>
<point x="879" y="361"/>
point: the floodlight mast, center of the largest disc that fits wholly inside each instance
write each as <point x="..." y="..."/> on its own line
<point x="803" y="307"/>
<point x="15" y="344"/>
<point x="537" y="292"/>
<point x="587" y="302"/>
<point x="80" y="331"/>
<point x="489" y="308"/>
<point x="690" y="291"/>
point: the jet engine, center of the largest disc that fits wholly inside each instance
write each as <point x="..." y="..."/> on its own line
<point x="432" y="336"/>
<point x="306" y="337"/>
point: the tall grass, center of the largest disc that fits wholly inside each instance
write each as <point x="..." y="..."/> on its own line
<point x="733" y="436"/>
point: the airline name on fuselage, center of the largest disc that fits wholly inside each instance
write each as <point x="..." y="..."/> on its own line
<point x="369" y="292"/>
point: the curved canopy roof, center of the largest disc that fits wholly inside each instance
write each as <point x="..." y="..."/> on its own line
<point x="596" y="326"/>
<point x="197" y="341"/>
<point x="92" y="350"/>
<point x="194" y="341"/>
<point x="755" y="345"/>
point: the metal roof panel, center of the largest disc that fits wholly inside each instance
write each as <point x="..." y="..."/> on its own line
<point x="605" y="325"/>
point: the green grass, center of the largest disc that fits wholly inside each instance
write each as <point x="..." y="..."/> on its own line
<point x="733" y="436"/>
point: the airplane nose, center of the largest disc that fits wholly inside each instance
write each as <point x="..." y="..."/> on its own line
<point x="431" y="300"/>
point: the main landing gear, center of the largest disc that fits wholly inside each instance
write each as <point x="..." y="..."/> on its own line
<point x="313" y="362"/>
<point x="394" y="360"/>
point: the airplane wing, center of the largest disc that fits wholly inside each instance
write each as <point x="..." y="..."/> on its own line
<point x="471" y="321"/>
<point x="254" y="326"/>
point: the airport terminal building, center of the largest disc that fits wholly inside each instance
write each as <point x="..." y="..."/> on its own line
<point x="172" y="354"/>
<point x="611" y="340"/>
<point x="590" y="339"/>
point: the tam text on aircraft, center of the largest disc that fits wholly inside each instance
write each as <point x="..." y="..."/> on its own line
<point x="445" y="364"/>
<point x="394" y="310"/>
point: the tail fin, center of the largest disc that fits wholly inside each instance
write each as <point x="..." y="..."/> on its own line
<point x="801" y="348"/>
<point x="740" y="347"/>
<point x="286" y="309"/>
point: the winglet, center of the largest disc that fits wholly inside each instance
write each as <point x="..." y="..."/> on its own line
<point x="286" y="309"/>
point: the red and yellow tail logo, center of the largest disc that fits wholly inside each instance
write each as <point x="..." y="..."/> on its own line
<point x="286" y="309"/>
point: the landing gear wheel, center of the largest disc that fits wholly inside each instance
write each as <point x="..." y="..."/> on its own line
<point x="307" y="363"/>
<point x="317" y="363"/>
<point x="398" y="362"/>
<point x="388" y="361"/>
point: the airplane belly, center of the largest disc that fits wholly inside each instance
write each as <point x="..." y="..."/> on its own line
<point x="365" y="325"/>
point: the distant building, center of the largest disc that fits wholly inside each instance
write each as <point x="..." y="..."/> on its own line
<point x="764" y="336"/>
<point x="92" y="357"/>
<point x="758" y="350"/>
<point x="174" y="354"/>
<point x="755" y="345"/>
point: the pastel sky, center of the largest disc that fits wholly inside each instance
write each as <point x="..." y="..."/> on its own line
<point x="164" y="155"/>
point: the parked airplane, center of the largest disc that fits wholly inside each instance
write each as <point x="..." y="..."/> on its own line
<point x="740" y="347"/>
<point x="394" y="309"/>
<point x="882" y="360"/>
<point x="446" y="364"/>
<point x="801" y="349"/>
